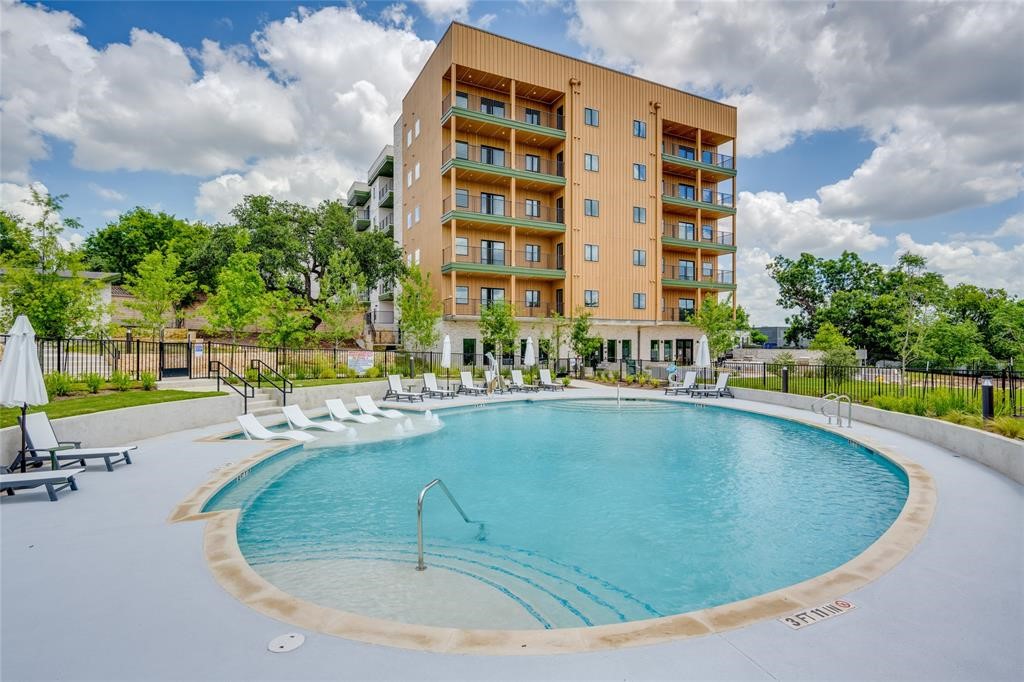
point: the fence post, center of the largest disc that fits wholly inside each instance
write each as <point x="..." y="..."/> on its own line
<point x="138" y="359"/>
<point x="764" y="375"/>
<point x="824" y="379"/>
<point x="58" y="355"/>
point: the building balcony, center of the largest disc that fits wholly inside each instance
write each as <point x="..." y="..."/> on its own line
<point x="685" y="234"/>
<point x="690" y="277"/>
<point x="358" y="194"/>
<point x="491" y="261"/>
<point x="387" y="224"/>
<point x="471" y="307"/>
<point x="677" y="314"/>
<point x="715" y="204"/>
<point x="362" y="218"/>
<point x="482" y="163"/>
<point x="495" y="210"/>
<point x="677" y="156"/>
<point x="383" y="165"/>
<point x="384" y="191"/>
<point x="542" y="127"/>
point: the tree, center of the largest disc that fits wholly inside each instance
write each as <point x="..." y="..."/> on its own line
<point x="124" y="243"/>
<point x="949" y="344"/>
<point x="240" y="295"/>
<point x="420" y="310"/>
<point x="551" y="346"/>
<point x="1006" y="331"/>
<point x="498" y="327"/>
<point x="285" y="324"/>
<point x="716" y="320"/>
<point x="340" y="308"/>
<point x="837" y="354"/>
<point x="15" y="238"/>
<point x="379" y="258"/>
<point x="583" y="345"/>
<point x="917" y="293"/>
<point x="158" y="290"/>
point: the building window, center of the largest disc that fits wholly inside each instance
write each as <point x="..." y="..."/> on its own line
<point x="591" y="117"/>
<point x="687" y="231"/>
<point x="461" y="295"/>
<point x="491" y="295"/>
<point x="686" y="270"/>
<point x="408" y="179"/>
<point x="492" y="106"/>
<point x="533" y="298"/>
<point x="408" y="138"/>
<point x="639" y="171"/>
<point x="686" y="307"/>
<point x="417" y="127"/>
<point x="461" y="149"/>
<point x="531" y="162"/>
<point x="416" y="257"/>
<point x="532" y="116"/>
<point x="492" y="252"/>
<point x="639" y="214"/>
<point x="707" y="233"/>
<point x="468" y="349"/>
<point x="591" y="207"/>
<point x="416" y="214"/>
<point x="461" y="246"/>
<point x="707" y="269"/>
<point x="408" y="221"/>
<point x="590" y="252"/>
<point x="686" y="192"/>
<point x="707" y="195"/>
<point x="462" y="100"/>
<point x="591" y="162"/>
<point x="639" y="129"/>
<point x="493" y="156"/>
<point x="611" y="350"/>
<point x="531" y="208"/>
<point x="639" y="257"/>
<point x="639" y="301"/>
<point x="492" y="204"/>
<point x="416" y="175"/>
<point x="532" y="253"/>
<point x="627" y="349"/>
<point x="590" y="298"/>
<point x="655" y="347"/>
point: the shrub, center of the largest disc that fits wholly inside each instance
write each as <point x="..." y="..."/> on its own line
<point x="326" y="372"/>
<point x="566" y="380"/>
<point x="965" y="419"/>
<point x="1011" y="427"/>
<point x="93" y="382"/>
<point x="121" y="381"/>
<point x="342" y="371"/>
<point x="251" y="374"/>
<point x="372" y="373"/>
<point x="148" y="380"/>
<point x="785" y="359"/>
<point x="57" y="383"/>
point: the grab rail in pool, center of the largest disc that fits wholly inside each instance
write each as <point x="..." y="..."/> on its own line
<point x="821" y="406"/>
<point x="420" y="566"/>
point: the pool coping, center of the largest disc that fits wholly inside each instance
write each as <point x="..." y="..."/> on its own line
<point x="233" y="573"/>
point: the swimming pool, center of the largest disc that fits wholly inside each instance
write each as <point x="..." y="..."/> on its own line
<point x="591" y="514"/>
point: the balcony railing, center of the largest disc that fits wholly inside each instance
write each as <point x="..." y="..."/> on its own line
<point x="689" y="151"/>
<point x="687" y="273"/>
<point x="492" y="156"/>
<point x="362" y="214"/>
<point x="473" y="306"/>
<point x="498" y="106"/>
<point x="499" y="256"/>
<point x="689" y="192"/>
<point x="677" y="314"/>
<point x="499" y="206"/>
<point x="538" y="164"/>
<point x="383" y="188"/>
<point x="716" y="159"/>
<point x="534" y="210"/>
<point x="689" y="232"/>
<point x="387" y="221"/>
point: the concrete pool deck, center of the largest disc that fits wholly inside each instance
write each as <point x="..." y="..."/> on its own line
<point x="100" y="586"/>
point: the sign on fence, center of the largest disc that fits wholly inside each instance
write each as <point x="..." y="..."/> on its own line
<point x="198" y="350"/>
<point x="360" y="360"/>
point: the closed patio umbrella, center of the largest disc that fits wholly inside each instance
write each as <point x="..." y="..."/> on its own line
<point x="703" y="360"/>
<point x="529" y="358"/>
<point x="21" y="379"/>
<point x="446" y="358"/>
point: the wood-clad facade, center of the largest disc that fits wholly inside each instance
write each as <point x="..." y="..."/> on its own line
<point x="560" y="185"/>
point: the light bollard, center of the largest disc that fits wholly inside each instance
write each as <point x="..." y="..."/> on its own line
<point x="987" y="403"/>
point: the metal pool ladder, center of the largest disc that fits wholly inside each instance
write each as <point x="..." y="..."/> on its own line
<point x="420" y="566"/>
<point x="821" y="406"/>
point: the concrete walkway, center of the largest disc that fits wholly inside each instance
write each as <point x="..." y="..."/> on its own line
<point x="100" y="586"/>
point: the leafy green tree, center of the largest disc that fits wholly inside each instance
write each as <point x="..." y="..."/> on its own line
<point x="15" y="238"/>
<point x="420" y="310"/>
<point x="583" y="344"/>
<point x="1006" y="331"/>
<point x="949" y="344"/>
<point x="551" y="346"/>
<point x="498" y="327"/>
<point x="716" y="320"/>
<point x="838" y="356"/>
<point x="917" y="294"/>
<point x="339" y="307"/>
<point x="379" y="258"/>
<point x="285" y="324"/>
<point x="157" y="289"/>
<point x="123" y="243"/>
<point x="240" y="295"/>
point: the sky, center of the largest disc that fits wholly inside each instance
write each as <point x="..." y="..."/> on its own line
<point x="875" y="127"/>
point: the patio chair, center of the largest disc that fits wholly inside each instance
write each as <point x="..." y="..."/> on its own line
<point x="518" y="384"/>
<point x="297" y="419"/>
<point x="41" y="438"/>
<point x="53" y="481"/>
<point x="432" y="390"/>
<point x="338" y="411"/>
<point x="547" y="384"/>
<point x="367" y="406"/>
<point x="688" y="383"/>
<point x="253" y="430"/>
<point x="721" y="388"/>
<point x="467" y="386"/>
<point x="396" y="392"/>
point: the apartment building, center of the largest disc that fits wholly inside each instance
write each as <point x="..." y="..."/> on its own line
<point x="559" y="186"/>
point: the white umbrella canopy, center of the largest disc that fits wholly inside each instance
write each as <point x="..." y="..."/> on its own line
<point x="21" y="378"/>
<point x="529" y="360"/>
<point x="703" y="353"/>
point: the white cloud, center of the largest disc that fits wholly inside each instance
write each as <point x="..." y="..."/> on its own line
<point x="936" y="86"/>
<point x="486" y="20"/>
<point x="443" y="11"/>
<point x="397" y="15"/>
<point x="110" y="213"/>
<point x="978" y="261"/>
<point x="106" y="192"/>
<point x="17" y="199"/>
<point x="1012" y="227"/>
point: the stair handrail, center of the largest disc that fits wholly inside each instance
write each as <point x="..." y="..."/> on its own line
<point x="420" y="565"/>
<point x="822" y="402"/>
<point x="286" y="386"/>
<point x="247" y="391"/>
<point x="849" y="410"/>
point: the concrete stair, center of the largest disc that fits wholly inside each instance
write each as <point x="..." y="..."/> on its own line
<point x="266" y="401"/>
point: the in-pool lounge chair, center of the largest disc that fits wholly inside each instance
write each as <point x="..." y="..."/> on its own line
<point x="41" y="439"/>
<point x="367" y="406"/>
<point x="398" y="393"/>
<point x="721" y="388"/>
<point x="339" y="412"/>
<point x="468" y="387"/>
<point x="688" y="383"/>
<point x="253" y="430"/>
<point x="432" y="390"/>
<point x="53" y="481"/>
<point x="297" y="419"/>
<point x="547" y="384"/>
<point x="518" y="384"/>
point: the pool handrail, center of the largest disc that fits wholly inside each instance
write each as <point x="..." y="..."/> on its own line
<point x="420" y="566"/>
<point x="248" y="391"/>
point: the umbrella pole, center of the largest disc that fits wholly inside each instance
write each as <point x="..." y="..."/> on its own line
<point x="21" y="454"/>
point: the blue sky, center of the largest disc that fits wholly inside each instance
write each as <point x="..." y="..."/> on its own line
<point x="185" y="106"/>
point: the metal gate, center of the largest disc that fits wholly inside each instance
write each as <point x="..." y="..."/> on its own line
<point x="175" y="359"/>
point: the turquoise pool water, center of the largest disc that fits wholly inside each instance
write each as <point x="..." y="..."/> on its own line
<point x="591" y="514"/>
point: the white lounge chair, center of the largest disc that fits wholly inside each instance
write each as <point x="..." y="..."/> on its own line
<point x="338" y="411"/>
<point x="431" y="389"/>
<point x="41" y="438"/>
<point x="688" y="383"/>
<point x="547" y="384"/>
<point x="253" y="430"/>
<point x="721" y="388"/>
<point x="467" y="386"/>
<point x="367" y="406"/>
<point x="396" y="391"/>
<point x="518" y="384"/>
<point x="53" y="481"/>
<point x="297" y="419"/>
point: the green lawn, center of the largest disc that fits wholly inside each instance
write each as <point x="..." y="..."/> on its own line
<point x="87" y="404"/>
<point x="304" y="383"/>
